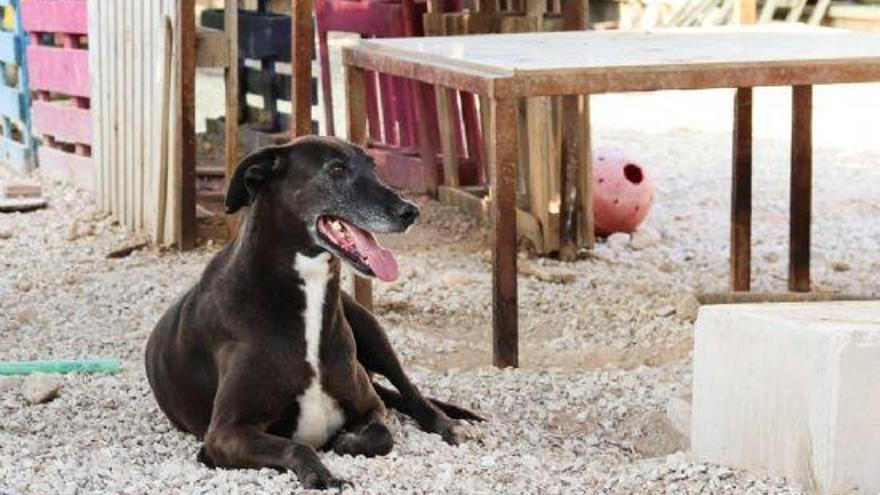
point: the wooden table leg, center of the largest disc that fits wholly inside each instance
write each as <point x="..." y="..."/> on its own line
<point x="577" y="179"/>
<point x="741" y="193"/>
<point x="801" y="188"/>
<point x="356" y="107"/>
<point x="502" y="165"/>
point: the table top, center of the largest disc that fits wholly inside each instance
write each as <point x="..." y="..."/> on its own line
<point x="602" y="61"/>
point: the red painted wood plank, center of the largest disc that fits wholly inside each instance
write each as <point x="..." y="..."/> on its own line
<point x="55" y="16"/>
<point x="67" y="167"/>
<point x="65" y="123"/>
<point x="60" y="70"/>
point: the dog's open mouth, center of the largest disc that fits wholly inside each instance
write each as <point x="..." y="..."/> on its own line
<point x="359" y="247"/>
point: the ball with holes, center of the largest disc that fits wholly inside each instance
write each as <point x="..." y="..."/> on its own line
<point x="623" y="192"/>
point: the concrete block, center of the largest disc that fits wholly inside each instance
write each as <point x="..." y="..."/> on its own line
<point x="790" y="389"/>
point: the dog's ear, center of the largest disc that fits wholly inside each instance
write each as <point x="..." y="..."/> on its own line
<point x="252" y="172"/>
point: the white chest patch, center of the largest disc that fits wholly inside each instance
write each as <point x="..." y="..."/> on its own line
<point x="319" y="415"/>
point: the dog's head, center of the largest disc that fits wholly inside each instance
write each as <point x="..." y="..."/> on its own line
<point x="331" y="187"/>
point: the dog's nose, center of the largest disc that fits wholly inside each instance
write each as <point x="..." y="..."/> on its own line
<point x="408" y="212"/>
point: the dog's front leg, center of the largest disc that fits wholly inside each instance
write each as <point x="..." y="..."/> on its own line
<point x="375" y="353"/>
<point x="246" y="447"/>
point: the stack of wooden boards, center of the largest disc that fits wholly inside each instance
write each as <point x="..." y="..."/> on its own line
<point x="541" y="189"/>
<point x="20" y="197"/>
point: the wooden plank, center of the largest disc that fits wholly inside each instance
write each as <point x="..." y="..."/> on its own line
<point x="8" y="45"/>
<point x="60" y="70"/>
<point x="741" y="193"/>
<point x="801" y="188"/>
<point x="302" y="50"/>
<point x="448" y="128"/>
<point x="63" y="122"/>
<point x="67" y="167"/>
<point x="231" y="76"/>
<point x="186" y="160"/>
<point x="130" y="178"/>
<point x="112" y="23"/>
<point x="544" y="161"/>
<point x="10" y="102"/>
<point x="745" y="11"/>
<point x="505" y="335"/>
<point x="768" y="11"/>
<point x="572" y="115"/>
<point x="97" y="98"/>
<point x="478" y="205"/>
<point x="138" y="130"/>
<point x="775" y="297"/>
<point x="164" y="125"/>
<point x="356" y="108"/>
<point x="819" y="12"/>
<point x="797" y="10"/>
<point x="587" y="220"/>
<point x="14" y="154"/>
<point x="55" y="16"/>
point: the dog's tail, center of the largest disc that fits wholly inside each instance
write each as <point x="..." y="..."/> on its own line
<point x="393" y="400"/>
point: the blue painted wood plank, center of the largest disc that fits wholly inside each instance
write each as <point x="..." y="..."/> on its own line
<point x="10" y="103"/>
<point x="15" y="155"/>
<point x="8" y="51"/>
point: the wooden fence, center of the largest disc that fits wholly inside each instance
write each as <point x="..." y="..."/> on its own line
<point x="136" y="113"/>
<point x="58" y="69"/>
<point x="16" y="142"/>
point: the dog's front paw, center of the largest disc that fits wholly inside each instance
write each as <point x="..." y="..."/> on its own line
<point x="323" y="481"/>
<point x="449" y="430"/>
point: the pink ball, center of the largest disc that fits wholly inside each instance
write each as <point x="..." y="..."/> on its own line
<point x="623" y="192"/>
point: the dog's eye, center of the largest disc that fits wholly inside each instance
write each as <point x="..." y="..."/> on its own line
<point x="336" y="168"/>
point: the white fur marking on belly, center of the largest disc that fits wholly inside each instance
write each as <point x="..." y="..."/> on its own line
<point x="319" y="414"/>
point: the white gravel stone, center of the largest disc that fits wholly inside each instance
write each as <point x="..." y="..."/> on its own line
<point x="645" y="238"/>
<point x="688" y="307"/>
<point x="618" y="241"/>
<point x="40" y="388"/>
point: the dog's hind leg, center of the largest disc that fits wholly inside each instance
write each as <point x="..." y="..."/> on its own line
<point x="375" y="353"/>
<point x="394" y="400"/>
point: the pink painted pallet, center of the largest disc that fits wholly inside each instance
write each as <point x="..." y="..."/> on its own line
<point x="58" y="68"/>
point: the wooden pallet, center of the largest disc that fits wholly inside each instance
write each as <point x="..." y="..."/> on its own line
<point x="58" y="69"/>
<point x="16" y="141"/>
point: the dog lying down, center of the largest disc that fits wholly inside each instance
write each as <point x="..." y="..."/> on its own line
<point x="266" y="358"/>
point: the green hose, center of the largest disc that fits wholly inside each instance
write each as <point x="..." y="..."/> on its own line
<point x="110" y="366"/>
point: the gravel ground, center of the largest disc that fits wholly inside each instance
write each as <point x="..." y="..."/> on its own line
<point x="602" y="353"/>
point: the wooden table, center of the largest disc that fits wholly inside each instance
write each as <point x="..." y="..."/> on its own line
<point x="507" y="68"/>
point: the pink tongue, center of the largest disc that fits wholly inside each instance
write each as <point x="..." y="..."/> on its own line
<point x="380" y="259"/>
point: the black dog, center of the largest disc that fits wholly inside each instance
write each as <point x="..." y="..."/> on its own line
<point x="266" y="358"/>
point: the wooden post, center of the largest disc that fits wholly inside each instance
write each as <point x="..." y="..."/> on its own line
<point x="577" y="189"/>
<point x="741" y="193"/>
<point x="801" y="188"/>
<point x="356" y="108"/>
<point x="303" y="40"/>
<point x="232" y="98"/>
<point x="187" y="124"/>
<point x="585" y="177"/>
<point x="502" y="166"/>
